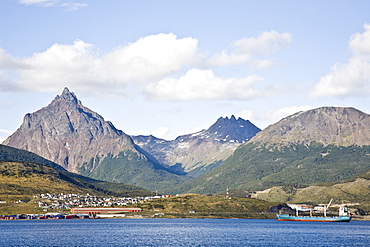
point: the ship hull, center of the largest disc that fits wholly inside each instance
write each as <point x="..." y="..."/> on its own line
<point x="285" y="217"/>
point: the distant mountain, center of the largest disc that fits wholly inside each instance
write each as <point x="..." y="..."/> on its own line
<point x="326" y="125"/>
<point x="229" y="130"/>
<point x="80" y="140"/>
<point x="24" y="174"/>
<point x="200" y="152"/>
<point x="327" y="144"/>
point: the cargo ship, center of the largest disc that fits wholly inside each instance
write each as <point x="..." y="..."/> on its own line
<point x="342" y="217"/>
<point x="286" y="217"/>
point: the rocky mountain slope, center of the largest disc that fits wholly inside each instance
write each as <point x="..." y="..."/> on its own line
<point x="326" y="125"/>
<point x="80" y="140"/>
<point x="327" y="144"/>
<point x="68" y="133"/>
<point x="200" y="152"/>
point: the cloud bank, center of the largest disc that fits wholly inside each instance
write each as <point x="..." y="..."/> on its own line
<point x="351" y="78"/>
<point x="160" y="67"/>
<point x="199" y="84"/>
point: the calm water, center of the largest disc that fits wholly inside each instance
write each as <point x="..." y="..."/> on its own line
<point x="182" y="232"/>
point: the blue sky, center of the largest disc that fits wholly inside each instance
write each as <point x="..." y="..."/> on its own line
<point x="174" y="67"/>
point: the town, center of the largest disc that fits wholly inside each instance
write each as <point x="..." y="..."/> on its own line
<point x="82" y="206"/>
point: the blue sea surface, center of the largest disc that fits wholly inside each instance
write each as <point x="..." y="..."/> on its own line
<point x="182" y="232"/>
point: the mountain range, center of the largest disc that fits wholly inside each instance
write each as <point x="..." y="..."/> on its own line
<point x="197" y="153"/>
<point x="327" y="144"/>
<point x="81" y="141"/>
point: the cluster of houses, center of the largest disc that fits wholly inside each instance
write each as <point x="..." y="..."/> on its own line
<point x="69" y="201"/>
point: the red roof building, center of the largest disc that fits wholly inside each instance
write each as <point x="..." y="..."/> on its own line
<point x="103" y="210"/>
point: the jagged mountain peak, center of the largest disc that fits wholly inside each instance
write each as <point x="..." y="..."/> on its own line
<point x="68" y="95"/>
<point x="69" y="133"/>
<point x="342" y="126"/>
<point x="232" y="130"/>
<point x="226" y="129"/>
<point x="223" y="119"/>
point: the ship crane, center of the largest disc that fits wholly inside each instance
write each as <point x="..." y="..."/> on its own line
<point x="326" y="208"/>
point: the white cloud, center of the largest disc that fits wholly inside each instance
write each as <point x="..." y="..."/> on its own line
<point x="204" y="85"/>
<point x="276" y="115"/>
<point x="8" y="132"/>
<point x="62" y="65"/>
<point x="248" y="50"/>
<point x="225" y="58"/>
<point x="265" y="44"/>
<point x="162" y="132"/>
<point x="70" y="6"/>
<point x="9" y="64"/>
<point x="152" y="57"/>
<point x="246" y="114"/>
<point x="83" y="66"/>
<point x="9" y="72"/>
<point x="351" y="78"/>
<point x="73" y="6"/>
<point x="4" y="134"/>
<point x="359" y="42"/>
<point x="167" y="134"/>
<point x="6" y="60"/>
<point x="2" y="139"/>
<point x="162" y="66"/>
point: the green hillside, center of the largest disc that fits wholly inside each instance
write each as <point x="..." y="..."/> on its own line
<point x="254" y="167"/>
<point x="127" y="168"/>
<point x="25" y="179"/>
<point x="14" y="154"/>
<point x="354" y="192"/>
<point x="23" y="174"/>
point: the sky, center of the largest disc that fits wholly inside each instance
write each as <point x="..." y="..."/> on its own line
<point x="169" y="68"/>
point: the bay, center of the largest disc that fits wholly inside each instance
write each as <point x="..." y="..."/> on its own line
<point x="182" y="232"/>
